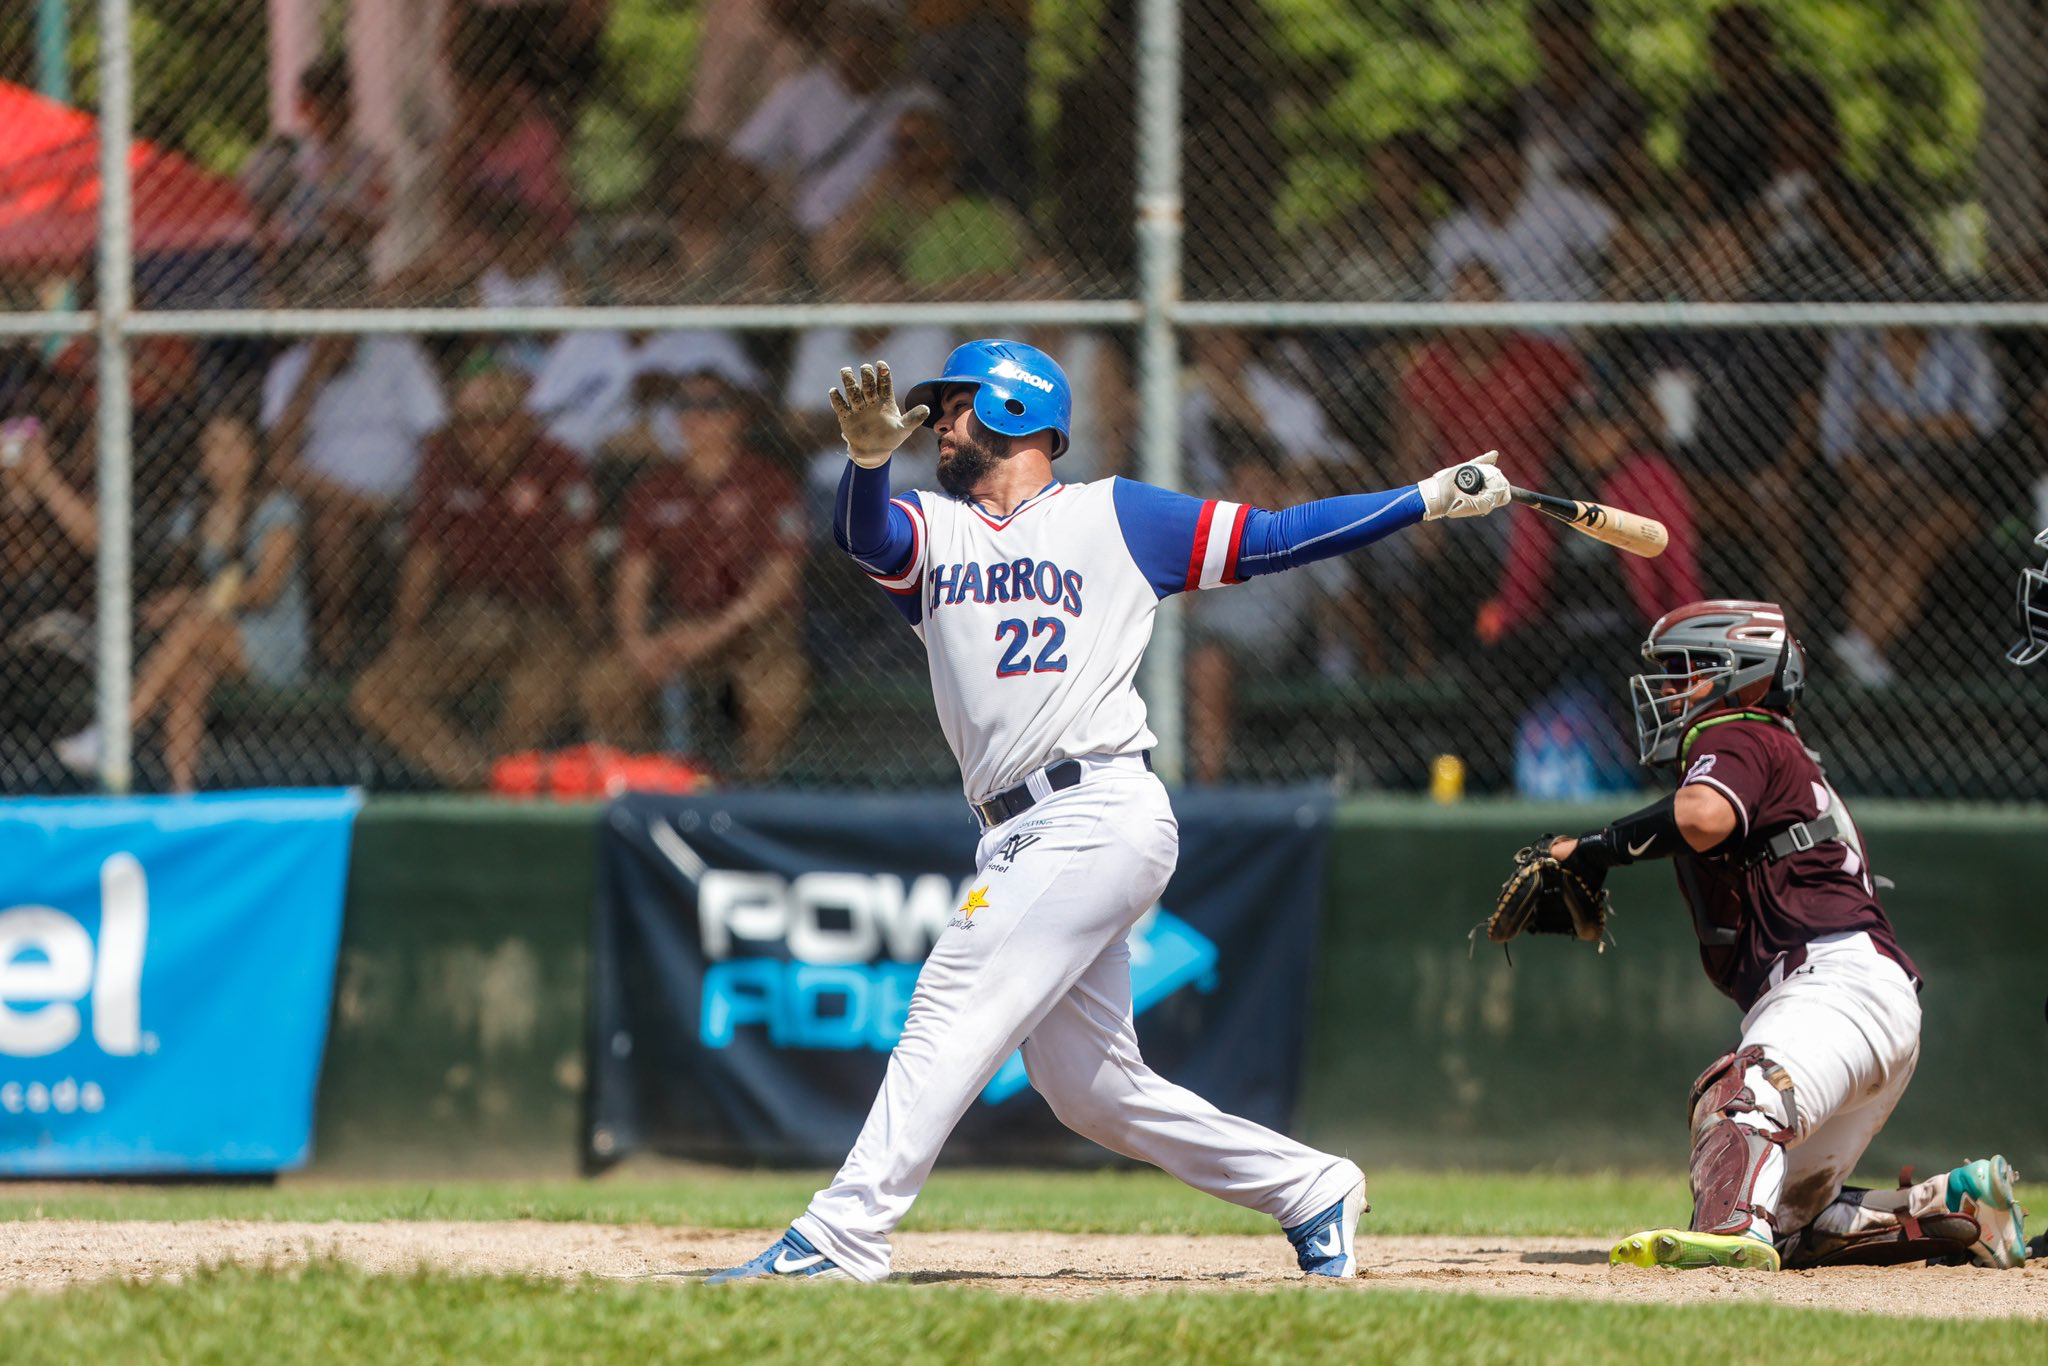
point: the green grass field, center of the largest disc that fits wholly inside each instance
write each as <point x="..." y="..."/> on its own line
<point x="330" y="1311"/>
<point x="1059" y="1202"/>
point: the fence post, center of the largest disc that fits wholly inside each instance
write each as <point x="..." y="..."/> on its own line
<point x="115" y="601"/>
<point x="1159" y="241"/>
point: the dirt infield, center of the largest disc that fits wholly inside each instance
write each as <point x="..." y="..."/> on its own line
<point x="50" y="1255"/>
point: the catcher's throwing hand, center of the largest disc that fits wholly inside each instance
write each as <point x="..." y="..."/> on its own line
<point x="1546" y="896"/>
<point x="866" y="407"/>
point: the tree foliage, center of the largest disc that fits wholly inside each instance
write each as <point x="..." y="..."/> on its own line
<point x="1904" y="74"/>
<point x="201" y="70"/>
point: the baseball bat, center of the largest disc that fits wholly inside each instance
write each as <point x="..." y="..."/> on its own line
<point x="1629" y="531"/>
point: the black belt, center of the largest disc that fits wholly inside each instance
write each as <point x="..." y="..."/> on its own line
<point x="1010" y="804"/>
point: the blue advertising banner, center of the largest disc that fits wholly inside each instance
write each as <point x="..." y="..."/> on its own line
<point x="166" y="972"/>
<point x="755" y="954"/>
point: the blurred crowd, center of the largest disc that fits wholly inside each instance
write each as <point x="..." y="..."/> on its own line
<point x="468" y="547"/>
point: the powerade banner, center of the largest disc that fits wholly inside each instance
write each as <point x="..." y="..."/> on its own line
<point x="166" y="971"/>
<point x="755" y="953"/>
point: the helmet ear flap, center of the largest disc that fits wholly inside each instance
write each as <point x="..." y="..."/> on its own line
<point x="1783" y="692"/>
<point x="1777" y="688"/>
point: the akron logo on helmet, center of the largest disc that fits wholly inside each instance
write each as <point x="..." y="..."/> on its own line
<point x="1009" y="369"/>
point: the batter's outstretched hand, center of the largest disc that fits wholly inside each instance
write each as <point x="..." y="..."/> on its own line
<point x="866" y="407"/>
<point x="1441" y="496"/>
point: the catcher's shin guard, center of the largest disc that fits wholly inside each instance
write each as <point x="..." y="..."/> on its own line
<point x="1899" y="1238"/>
<point x="1737" y="1141"/>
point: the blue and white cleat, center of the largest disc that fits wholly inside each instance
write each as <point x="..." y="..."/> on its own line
<point x="792" y="1258"/>
<point x="1326" y="1244"/>
<point x="1983" y="1190"/>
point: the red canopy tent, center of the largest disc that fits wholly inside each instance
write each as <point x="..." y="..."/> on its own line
<point x="50" y="189"/>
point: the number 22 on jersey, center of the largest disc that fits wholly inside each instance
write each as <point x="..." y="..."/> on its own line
<point x="1017" y="660"/>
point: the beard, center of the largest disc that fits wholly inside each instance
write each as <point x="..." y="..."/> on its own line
<point x="964" y="462"/>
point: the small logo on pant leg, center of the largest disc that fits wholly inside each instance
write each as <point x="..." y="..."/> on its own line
<point x="963" y="919"/>
<point x="1007" y="851"/>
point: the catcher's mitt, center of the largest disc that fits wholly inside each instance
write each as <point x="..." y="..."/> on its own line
<point x="1544" y="896"/>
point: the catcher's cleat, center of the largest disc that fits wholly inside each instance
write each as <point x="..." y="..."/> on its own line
<point x="1983" y="1190"/>
<point x="1685" y="1250"/>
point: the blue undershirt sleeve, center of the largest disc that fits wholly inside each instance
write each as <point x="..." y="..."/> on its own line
<point x="1181" y="543"/>
<point x="868" y="526"/>
<point x="884" y="535"/>
<point x="1328" y="526"/>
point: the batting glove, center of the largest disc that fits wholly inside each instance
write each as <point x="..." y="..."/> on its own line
<point x="866" y="407"/>
<point x="1441" y="496"/>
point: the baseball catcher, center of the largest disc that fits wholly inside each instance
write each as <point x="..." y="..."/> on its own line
<point x="1790" y="927"/>
<point x="2033" y="611"/>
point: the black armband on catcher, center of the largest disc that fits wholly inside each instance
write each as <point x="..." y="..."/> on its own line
<point x="1649" y="833"/>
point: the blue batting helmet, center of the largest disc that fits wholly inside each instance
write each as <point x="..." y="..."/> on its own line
<point x="1018" y="389"/>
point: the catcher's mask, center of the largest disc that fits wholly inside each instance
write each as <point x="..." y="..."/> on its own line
<point x="2033" y="612"/>
<point x="1707" y="657"/>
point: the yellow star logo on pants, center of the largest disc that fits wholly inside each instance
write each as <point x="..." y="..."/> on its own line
<point x="977" y="900"/>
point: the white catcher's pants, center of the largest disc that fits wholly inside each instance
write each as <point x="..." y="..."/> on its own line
<point x="1846" y="1026"/>
<point x="1045" y="964"/>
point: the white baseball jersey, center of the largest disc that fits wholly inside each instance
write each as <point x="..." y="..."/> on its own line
<point x="1034" y="623"/>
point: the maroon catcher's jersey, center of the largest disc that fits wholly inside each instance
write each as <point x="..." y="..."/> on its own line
<point x="1748" y="909"/>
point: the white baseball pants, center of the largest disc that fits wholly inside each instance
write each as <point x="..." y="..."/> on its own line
<point x="1044" y="964"/>
<point x="1846" y="1026"/>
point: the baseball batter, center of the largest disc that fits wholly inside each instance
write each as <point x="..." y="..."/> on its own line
<point x="1786" y="909"/>
<point x="1034" y="600"/>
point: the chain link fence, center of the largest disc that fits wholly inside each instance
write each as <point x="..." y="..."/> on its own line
<point x="1758" y="271"/>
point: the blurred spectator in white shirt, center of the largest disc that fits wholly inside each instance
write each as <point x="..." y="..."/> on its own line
<point x="1543" y="240"/>
<point x="347" y="418"/>
<point x="822" y="133"/>
<point x="583" y="391"/>
<point x="744" y="48"/>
